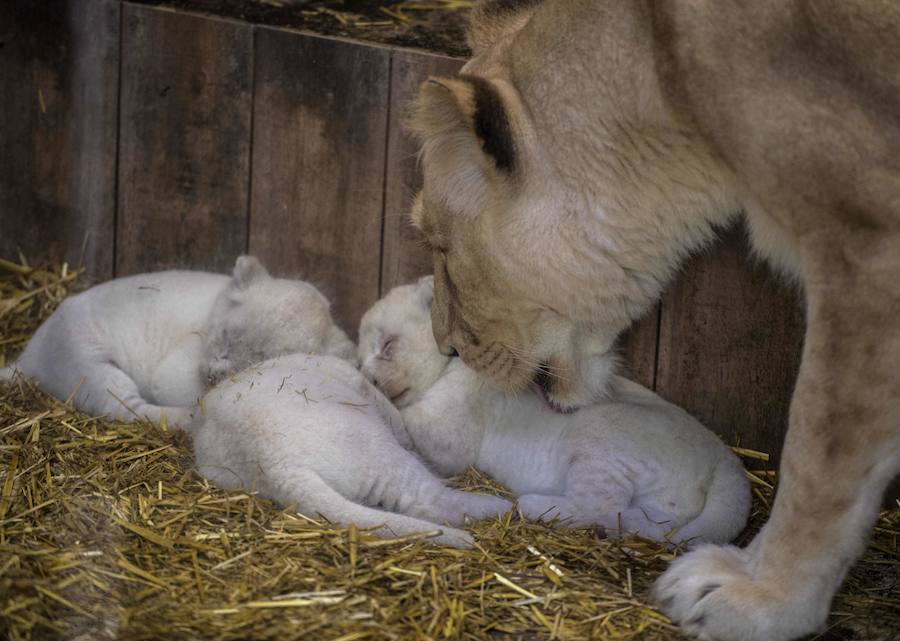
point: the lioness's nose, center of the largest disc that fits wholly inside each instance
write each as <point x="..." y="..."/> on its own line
<point x="446" y="347"/>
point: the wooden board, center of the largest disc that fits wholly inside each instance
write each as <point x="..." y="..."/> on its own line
<point x="319" y="136"/>
<point x="59" y="71"/>
<point x="638" y="349"/>
<point x="404" y="257"/>
<point x="731" y="334"/>
<point x="184" y="161"/>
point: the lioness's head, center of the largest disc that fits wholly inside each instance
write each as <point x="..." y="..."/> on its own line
<point x="506" y="290"/>
<point x="259" y="317"/>
<point x="544" y="186"/>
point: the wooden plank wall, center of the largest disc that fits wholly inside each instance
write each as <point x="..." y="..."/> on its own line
<point x="730" y="338"/>
<point x="404" y="255"/>
<point x="184" y="141"/>
<point x="59" y="73"/>
<point x="233" y="137"/>
<point x="319" y="141"/>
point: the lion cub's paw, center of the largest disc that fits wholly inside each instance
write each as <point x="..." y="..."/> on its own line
<point x="486" y="506"/>
<point x="454" y="538"/>
<point x="539" y="507"/>
<point x="712" y="593"/>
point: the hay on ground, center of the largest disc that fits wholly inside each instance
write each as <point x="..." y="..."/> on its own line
<point x="106" y="532"/>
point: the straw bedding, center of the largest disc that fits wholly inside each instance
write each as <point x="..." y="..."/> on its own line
<point x="106" y="532"/>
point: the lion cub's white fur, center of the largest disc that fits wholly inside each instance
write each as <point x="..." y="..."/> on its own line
<point x="312" y="432"/>
<point x="146" y="344"/>
<point x="635" y="460"/>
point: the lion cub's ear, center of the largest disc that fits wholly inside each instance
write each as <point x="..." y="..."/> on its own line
<point x="425" y="291"/>
<point x="466" y="127"/>
<point x="247" y="269"/>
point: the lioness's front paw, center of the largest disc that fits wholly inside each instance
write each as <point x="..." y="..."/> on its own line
<point x="712" y="593"/>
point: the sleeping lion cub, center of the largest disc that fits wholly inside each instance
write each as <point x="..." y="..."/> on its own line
<point x="312" y="432"/>
<point x="635" y="461"/>
<point x="148" y="344"/>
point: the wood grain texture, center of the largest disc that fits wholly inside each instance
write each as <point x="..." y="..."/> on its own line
<point x="404" y="257"/>
<point x="318" y="164"/>
<point x="731" y="335"/>
<point x="638" y="347"/>
<point x="59" y="73"/>
<point x="184" y="161"/>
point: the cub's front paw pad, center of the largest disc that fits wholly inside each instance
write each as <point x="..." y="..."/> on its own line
<point x="712" y="594"/>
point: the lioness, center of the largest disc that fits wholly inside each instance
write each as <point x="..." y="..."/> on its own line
<point x="589" y="146"/>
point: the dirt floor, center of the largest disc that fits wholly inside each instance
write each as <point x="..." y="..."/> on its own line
<point x="434" y="25"/>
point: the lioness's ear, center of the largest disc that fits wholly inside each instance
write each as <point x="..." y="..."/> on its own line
<point x="247" y="269"/>
<point x="426" y="291"/>
<point x="465" y="128"/>
<point x="468" y="106"/>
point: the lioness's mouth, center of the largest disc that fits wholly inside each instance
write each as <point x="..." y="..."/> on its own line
<point x="543" y="385"/>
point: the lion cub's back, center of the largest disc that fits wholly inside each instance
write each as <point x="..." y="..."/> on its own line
<point x="672" y="447"/>
<point x="297" y="411"/>
<point x="176" y="298"/>
<point x="131" y="322"/>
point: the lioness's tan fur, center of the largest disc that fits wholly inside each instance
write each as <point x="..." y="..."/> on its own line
<point x="589" y="146"/>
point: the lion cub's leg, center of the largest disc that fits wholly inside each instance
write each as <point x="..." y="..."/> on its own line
<point x="107" y="390"/>
<point x="547" y="507"/>
<point x="841" y="451"/>
<point x="180" y="377"/>
<point x="594" y="494"/>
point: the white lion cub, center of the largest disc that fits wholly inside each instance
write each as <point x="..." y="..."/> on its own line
<point x="147" y="344"/>
<point x="635" y="462"/>
<point x="312" y="432"/>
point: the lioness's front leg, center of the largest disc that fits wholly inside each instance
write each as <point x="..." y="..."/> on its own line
<point x="842" y="449"/>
